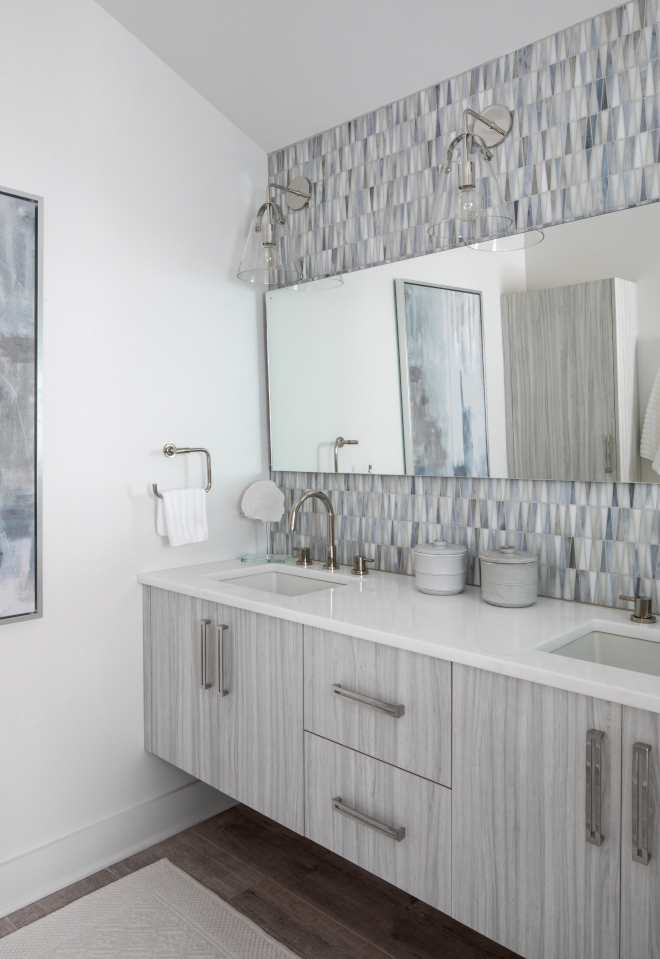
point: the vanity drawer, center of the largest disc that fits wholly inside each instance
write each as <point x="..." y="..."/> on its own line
<point x="416" y="737"/>
<point x="394" y="824"/>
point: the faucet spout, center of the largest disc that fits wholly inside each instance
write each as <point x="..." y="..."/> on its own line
<point x="330" y="548"/>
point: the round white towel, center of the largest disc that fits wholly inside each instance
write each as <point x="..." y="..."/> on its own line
<point x="264" y="501"/>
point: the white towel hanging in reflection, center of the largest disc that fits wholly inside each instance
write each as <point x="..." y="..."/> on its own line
<point x="649" y="447"/>
<point x="182" y="516"/>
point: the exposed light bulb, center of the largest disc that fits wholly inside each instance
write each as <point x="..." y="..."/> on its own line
<point x="469" y="204"/>
<point x="268" y="258"/>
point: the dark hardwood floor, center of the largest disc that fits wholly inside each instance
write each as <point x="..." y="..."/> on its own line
<point x="319" y="905"/>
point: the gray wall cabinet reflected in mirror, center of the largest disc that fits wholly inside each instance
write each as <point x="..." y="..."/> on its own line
<point x="570" y="349"/>
<point x="20" y="411"/>
<point x="535" y="364"/>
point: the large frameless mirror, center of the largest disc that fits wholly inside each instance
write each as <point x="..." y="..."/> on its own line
<point x="535" y="364"/>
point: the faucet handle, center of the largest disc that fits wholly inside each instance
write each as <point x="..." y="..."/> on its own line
<point x="643" y="609"/>
<point x="305" y="558"/>
<point x="359" y="567"/>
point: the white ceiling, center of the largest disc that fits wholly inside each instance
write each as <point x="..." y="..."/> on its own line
<point x="285" y="71"/>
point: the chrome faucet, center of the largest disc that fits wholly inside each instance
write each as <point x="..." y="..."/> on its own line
<point x="330" y="548"/>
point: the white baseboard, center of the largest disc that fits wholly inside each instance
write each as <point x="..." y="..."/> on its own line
<point x="45" y="870"/>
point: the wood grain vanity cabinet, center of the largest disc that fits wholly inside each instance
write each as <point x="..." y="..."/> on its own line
<point x="249" y="742"/>
<point x="523" y="870"/>
<point x="529" y="813"/>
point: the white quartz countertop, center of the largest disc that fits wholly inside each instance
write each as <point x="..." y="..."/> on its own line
<point x="386" y="608"/>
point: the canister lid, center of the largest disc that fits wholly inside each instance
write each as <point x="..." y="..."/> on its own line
<point x="440" y="547"/>
<point x="508" y="554"/>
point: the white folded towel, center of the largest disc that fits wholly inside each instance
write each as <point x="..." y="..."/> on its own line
<point x="264" y="501"/>
<point x="182" y="516"/>
<point x="649" y="447"/>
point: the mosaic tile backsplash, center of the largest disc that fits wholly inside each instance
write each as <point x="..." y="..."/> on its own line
<point x="594" y="540"/>
<point x="585" y="141"/>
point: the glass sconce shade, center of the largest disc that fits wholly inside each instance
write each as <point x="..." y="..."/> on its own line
<point x="468" y="207"/>
<point x="269" y="258"/>
<point x="510" y="242"/>
<point x="313" y="286"/>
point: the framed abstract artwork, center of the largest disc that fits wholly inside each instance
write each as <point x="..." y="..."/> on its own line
<point x="20" y="406"/>
<point x="443" y="392"/>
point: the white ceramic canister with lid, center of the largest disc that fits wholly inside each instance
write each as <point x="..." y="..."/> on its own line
<point x="509" y="577"/>
<point x="440" y="567"/>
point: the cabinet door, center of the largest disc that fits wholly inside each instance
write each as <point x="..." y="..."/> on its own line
<point x="640" y="880"/>
<point x="559" y="372"/>
<point x="248" y="742"/>
<point x="260" y="719"/>
<point x="523" y="872"/>
<point x="180" y="711"/>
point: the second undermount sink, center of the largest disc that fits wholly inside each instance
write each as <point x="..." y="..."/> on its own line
<point x="281" y="584"/>
<point x="637" y="653"/>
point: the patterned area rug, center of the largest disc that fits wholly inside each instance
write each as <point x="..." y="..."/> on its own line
<point x="158" y="912"/>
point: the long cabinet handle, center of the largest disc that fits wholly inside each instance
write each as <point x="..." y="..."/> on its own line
<point x="594" y="786"/>
<point x="203" y="623"/>
<point x="393" y="832"/>
<point x="640" y="803"/>
<point x="395" y="711"/>
<point x="221" y="661"/>
<point x="608" y="453"/>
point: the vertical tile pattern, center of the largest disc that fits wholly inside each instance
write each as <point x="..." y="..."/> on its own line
<point x="585" y="141"/>
<point x="594" y="540"/>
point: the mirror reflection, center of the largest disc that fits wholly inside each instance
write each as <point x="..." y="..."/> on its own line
<point x="535" y="364"/>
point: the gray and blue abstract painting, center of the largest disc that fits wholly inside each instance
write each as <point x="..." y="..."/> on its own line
<point x="445" y="411"/>
<point x="18" y="343"/>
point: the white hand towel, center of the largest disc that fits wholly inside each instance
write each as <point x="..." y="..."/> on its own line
<point x="264" y="501"/>
<point x="649" y="447"/>
<point x="182" y="516"/>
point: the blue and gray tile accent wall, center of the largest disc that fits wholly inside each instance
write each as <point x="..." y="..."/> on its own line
<point x="585" y="141"/>
<point x="594" y="540"/>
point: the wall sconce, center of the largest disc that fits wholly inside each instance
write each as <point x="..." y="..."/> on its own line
<point x="269" y="258"/>
<point x="469" y="208"/>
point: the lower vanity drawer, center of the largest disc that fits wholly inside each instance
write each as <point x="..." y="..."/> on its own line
<point x="390" y="822"/>
<point x="389" y="703"/>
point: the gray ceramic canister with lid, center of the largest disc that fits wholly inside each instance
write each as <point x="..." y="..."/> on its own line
<point x="440" y="567"/>
<point x="509" y="576"/>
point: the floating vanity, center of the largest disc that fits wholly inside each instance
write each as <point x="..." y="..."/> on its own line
<point x="502" y="765"/>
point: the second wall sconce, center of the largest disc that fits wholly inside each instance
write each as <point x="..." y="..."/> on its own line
<point x="469" y="208"/>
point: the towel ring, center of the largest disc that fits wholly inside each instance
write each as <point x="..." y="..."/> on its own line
<point x="171" y="450"/>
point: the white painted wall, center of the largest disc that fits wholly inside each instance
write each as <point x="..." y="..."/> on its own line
<point x="624" y="244"/>
<point x="148" y="339"/>
<point x="334" y="363"/>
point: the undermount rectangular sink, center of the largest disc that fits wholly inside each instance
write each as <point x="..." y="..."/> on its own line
<point x="282" y="584"/>
<point x="610" y="649"/>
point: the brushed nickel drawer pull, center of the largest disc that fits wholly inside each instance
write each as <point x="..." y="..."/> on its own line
<point x="395" y="711"/>
<point x="640" y="803"/>
<point x="594" y="786"/>
<point x="393" y="832"/>
<point x="221" y="661"/>
<point x="203" y="623"/>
